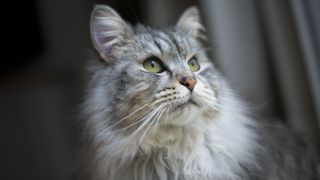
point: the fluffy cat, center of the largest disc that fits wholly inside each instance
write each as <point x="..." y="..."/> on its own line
<point x="157" y="108"/>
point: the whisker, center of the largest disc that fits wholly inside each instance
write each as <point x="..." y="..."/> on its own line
<point x="129" y="115"/>
<point x="229" y="94"/>
<point x="127" y="139"/>
<point x="167" y="114"/>
<point x="149" y="118"/>
<point x="155" y="119"/>
<point x="133" y="124"/>
<point x="157" y="122"/>
<point x="159" y="101"/>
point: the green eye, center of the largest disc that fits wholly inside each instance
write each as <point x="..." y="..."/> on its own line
<point x="193" y="64"/>
<point x="153" y="65"/>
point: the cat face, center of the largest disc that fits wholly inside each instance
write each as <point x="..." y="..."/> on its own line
<point x="154" y="74"/>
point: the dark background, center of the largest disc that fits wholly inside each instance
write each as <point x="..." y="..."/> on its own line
<point x="46" y="44"/>
<point x="40" y="86"/>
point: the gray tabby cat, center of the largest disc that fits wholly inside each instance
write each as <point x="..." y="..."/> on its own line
<point x="157" y="108"/>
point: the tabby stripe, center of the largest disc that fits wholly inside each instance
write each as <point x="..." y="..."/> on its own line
<point x="165" y="38"/>
<point x="158" y="45"/>
<point x="188" y="43"/>
<point x="174" y="40"/>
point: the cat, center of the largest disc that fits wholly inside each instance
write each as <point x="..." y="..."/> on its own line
<point x="157" y="108"/>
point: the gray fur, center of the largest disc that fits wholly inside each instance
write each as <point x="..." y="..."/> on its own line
<point x="140" y="125"/>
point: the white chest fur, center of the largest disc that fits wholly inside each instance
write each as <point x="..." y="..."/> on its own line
<point x="201" y="149"/>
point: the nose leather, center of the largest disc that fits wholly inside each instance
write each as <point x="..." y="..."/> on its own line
<point x="189" y="82"/>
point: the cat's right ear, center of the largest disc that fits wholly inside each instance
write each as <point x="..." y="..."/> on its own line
<point x="107" y="30"/>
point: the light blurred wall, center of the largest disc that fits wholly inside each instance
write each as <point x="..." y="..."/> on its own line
<point x="257" y="47"/>
<point x="239" y="52"/>
<point x="290" y="68"/>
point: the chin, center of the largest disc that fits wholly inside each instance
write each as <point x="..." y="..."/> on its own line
<point x="183" y="114"/>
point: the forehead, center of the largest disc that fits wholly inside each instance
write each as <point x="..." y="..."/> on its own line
<point x="166" y="43"/>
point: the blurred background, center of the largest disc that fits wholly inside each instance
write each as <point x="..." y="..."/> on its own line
<point x="268" y="49"/>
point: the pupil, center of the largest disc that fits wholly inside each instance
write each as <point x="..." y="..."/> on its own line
<point x="152" y="64"/>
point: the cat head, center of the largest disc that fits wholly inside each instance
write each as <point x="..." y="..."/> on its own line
<point x="147" y="75"/>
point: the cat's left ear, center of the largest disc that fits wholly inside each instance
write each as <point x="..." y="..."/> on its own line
<point x="190" y="23"/>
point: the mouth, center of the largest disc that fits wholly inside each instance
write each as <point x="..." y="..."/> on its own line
<point x="185" y="105"/>
<point x="191" y="102"/>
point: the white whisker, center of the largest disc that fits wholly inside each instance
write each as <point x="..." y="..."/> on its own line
<point x="156" y="117"/>
<point x="149" y="117"/>
<point x="160" y="115"/>
<point x="145" y="120"/>
<point x="129" y="115"/>
<point x="139" y="119"/>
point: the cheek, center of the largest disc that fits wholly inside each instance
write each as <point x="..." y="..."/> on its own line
<point x="162" y="81"/>
<point x="198" y="88"/>
<point x="147" y="85"/>
<point x="201" y="84"/>
<point x="203" y="93"/>
<point x="209" y="79"/>
<point x="137" y="96"/>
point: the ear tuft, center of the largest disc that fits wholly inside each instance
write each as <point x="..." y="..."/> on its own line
<point x="190" y="23"/>
<point x="107" y="30"/>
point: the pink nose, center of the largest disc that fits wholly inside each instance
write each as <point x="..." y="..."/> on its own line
<point x="188" y="82"/>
